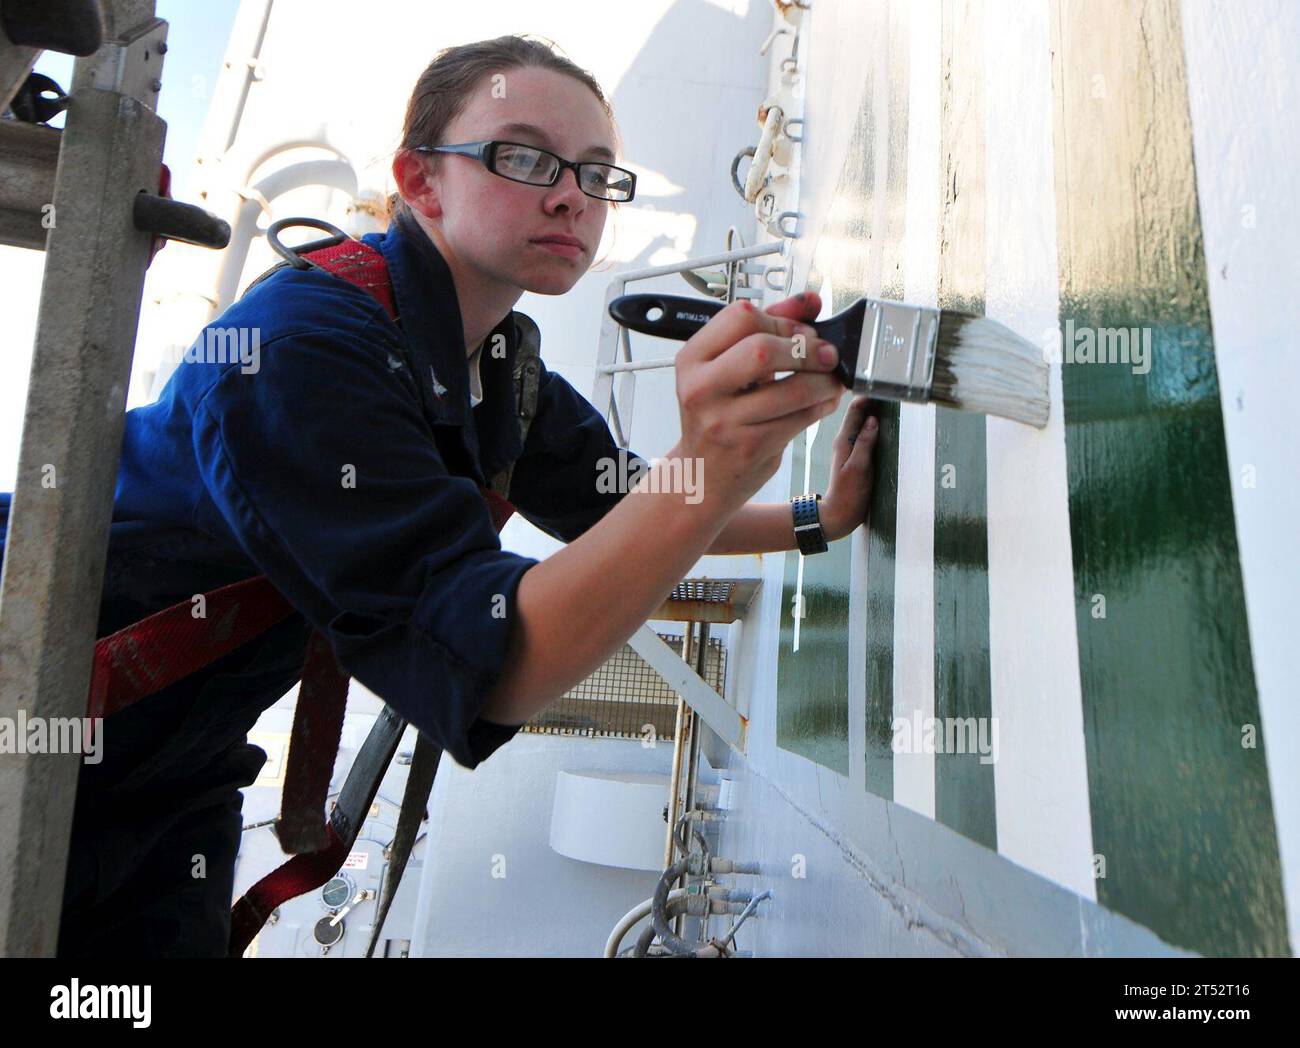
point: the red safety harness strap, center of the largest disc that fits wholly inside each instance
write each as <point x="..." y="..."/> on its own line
<point x="304" y="873"/>
<point x="313" y="747"/>
<point x="358" y="263"/>
<point x="500" y="509"/>
<point x="169" y="645"/>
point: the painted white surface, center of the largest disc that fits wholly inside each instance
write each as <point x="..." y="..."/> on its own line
<point x="1244" y="92"/>
<point x="914" y="551"/>
<point x="914" y="783"/>
<point x="834" y="38"/>
<point x="1041" y="774"/>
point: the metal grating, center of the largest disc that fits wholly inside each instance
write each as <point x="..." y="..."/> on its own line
<point x="712" y="590"/>
<point x="623" y="696"/>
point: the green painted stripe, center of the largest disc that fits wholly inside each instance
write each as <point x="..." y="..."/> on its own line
<point x="1182" y="814"/>
<point x="964" y="788"/>
<point x="964" y="797"/>
<point x="882" y="525"/>
<point x="812" y="683"/>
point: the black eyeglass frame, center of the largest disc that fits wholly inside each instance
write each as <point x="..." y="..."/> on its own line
<point x="485" y="153"/>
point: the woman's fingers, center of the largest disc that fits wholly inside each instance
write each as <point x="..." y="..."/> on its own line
<point x="803" y="307"/>
<point x="786" y="395"/>
<point x="790" y="317"/>
<point x="854" y="419"/>
<point x="756" y="360"/>
<point x="734" y="323"/>
<point x="732" y="405"/>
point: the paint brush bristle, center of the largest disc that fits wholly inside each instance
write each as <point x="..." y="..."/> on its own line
<point x="895" y="351"/>
<point x="983" y="366"/>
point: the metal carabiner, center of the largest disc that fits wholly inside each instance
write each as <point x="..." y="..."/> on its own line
<point x="292" y="254"/>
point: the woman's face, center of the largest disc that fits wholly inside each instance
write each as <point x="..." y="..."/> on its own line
<point x="491" y="224"/>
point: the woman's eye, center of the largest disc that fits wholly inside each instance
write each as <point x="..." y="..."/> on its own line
<point x="518" y="161"/>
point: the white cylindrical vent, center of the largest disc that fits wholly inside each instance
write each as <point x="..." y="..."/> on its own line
<point x="611" y="818"/>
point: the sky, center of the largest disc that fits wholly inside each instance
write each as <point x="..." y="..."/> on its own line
<point x="198" y="31"/>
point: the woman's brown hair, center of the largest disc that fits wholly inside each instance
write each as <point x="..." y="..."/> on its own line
<point x="445" y="85"/>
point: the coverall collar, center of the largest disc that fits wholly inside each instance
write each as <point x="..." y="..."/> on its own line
<point x="428" y="312"/>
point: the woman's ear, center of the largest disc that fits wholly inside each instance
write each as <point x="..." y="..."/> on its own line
<point x="418" y="188"/>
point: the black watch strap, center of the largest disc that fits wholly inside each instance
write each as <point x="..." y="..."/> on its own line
<point x="808" y="525"/>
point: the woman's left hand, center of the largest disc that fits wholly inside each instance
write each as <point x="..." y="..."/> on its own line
<point x="844" y="506"/>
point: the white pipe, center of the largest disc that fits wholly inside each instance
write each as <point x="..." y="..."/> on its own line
<point x="638" y="365"/>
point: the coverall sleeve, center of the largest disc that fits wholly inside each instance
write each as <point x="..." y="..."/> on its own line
<point x="572" y="471"/>
<point x="324" y="466"/>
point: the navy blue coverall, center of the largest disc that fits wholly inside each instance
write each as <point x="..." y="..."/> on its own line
<point x="240" y="468"/>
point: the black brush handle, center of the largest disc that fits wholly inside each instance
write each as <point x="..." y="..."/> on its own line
<point x="680" y="316"/>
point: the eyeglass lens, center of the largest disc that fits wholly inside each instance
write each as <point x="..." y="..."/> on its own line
<point x="538" y="168"/>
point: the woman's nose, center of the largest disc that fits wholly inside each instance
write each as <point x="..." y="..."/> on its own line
<point x="561" y="187"/>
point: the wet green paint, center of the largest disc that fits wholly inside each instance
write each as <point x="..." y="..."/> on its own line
<point x="1182" y="813"/>
<point x="882" y="542"/>
<point x="964" y="787"/>
<point x="812" y="683"/>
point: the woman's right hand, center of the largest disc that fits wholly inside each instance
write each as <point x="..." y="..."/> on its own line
<point x="736" y="415"/>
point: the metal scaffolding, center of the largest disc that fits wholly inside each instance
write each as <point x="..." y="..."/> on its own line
<point x="89" y="196"/>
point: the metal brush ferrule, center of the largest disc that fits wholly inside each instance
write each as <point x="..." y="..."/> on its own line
<point x="900" y="342"/>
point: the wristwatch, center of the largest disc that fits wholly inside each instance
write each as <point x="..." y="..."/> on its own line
<point x="808" y="525"/>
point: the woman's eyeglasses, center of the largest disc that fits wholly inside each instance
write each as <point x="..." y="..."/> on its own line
<point x="537" y="167"/>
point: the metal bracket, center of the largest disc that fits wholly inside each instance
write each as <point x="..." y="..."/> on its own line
<point x="790" y="216"/>
<point x="133" y="64"/>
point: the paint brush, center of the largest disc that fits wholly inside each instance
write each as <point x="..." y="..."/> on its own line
<point x="894" y="351"/>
